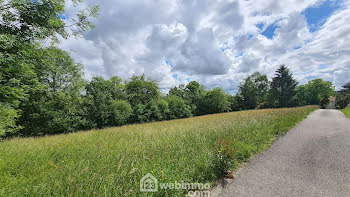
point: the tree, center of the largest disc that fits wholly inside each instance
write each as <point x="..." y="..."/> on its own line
<point x="343" y="96"/>
<point x="324" y="101"/>
<point x="8" y="117"/>
<point x="346" y="87"/>
<point x="54" y="106"/>
<point x="102" y="92"/>
<point x="232" y="102"/>
<point x="157" y="110"/>
<point x="23" y="25"/>
<point x="121" y="112"/>
<point x="214" y="101"/>
<point x="193" y="94"/>
<point x="312" y="92"/>
<point x="141" y="90"/>
<point x="17" y="77"/>
<point x="30" y="20"/>
<point x="177" y="107"/>
<point x="253" y="90"/>
<point x="177" y="91"/>
<point x="301" y="95"/>
<point x="282" y="88"/>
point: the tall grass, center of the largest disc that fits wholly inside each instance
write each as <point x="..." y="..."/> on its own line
<point x="110" y="162"/>
<point x="346" y="111"/>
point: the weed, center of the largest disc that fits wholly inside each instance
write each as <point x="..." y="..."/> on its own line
<point x="222" y="159"/>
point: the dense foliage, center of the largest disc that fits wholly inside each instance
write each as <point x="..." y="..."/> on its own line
<point x="253" y="90"/>
<point x="343" y="96"/>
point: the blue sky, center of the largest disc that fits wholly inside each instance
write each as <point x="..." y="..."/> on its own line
<point x="315" y="16"/>
<point x="217" y="43"/>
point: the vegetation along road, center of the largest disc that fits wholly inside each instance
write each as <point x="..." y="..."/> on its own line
<point x="111" y="161"/>
<point x="311" y="160"/>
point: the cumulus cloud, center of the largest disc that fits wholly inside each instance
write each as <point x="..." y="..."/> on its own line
<point x="216" y="42"/>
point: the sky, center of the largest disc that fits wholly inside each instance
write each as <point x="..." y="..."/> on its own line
<point x="215" y="42"/>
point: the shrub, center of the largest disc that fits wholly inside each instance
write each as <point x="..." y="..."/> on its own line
<point x="263" y="105"/>
<point x="324" y="100"/>
<point x="223" y="158"/>
<point x="215" y="101"/>
<point x="139" y="115"/>
<point x="157" y="110"/>
<point x="178" y="108"/>
<point x="121" y="112"/>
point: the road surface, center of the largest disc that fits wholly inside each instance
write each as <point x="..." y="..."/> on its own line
<point x="312" y="159"/>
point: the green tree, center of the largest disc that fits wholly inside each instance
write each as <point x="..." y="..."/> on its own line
<point x="177" y="107"/>
<point x="23" y="25"/>
<point x="54" y="106"/>
<point x="177" y="91"/>
<point x="157" y="110"/>
<point x="30" y="20"/>
<point x="8" y="117"/>
<point x="312" y="92"/>
<point x="141" y="90"/>
<point x="282" y="88"/>
<point x="232" y="101"/>
<point x="324" y="101"/>
<point x="122" y="112"/>
<point x="343" y="96"/>
<point x="101" y="93"/>
<point x="346" y="87"/>
<point x="193" y="94"/>
<point x="140" y="114"/>
<point x="214" y="101"/>
<point x="253" y="90"/>
<point x="301" y="95"/>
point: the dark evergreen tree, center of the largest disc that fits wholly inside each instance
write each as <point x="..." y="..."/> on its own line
<point x="282" y="88"/>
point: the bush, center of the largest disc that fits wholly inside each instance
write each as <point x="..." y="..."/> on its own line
<point x="214" y="101"/>
<point x="157" y="110"/>
<point x="342" y="100"/>
<point x="263" y="105"/>
<point x="139" y="115"/>
<point x="223" y="157"/>
<point x="324" y="101"/>
<point x="121" y="112"/>
<point x="178" y="108"/>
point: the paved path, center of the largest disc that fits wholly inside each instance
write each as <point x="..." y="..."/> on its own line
<point x="313" y="159"/>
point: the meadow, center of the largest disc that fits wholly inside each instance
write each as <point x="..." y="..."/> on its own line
<point x="346" y="111"/>
<point x="110" y="162"/>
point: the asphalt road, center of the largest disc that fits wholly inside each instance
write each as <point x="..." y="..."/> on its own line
<point x="312" y="159"/>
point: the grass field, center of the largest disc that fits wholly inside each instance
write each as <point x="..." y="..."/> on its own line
<point x="346" y="111"/>
<point x="110" y="162"/>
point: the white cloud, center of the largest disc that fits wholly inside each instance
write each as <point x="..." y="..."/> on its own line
<point x="214" y="42"/>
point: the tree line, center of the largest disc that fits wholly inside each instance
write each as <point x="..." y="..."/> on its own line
<point x="43" y="91"/>
<point x="57" y="99"/>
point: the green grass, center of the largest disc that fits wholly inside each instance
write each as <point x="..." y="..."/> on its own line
<point x="346" y="111"/>
<point x="110" y="162"/>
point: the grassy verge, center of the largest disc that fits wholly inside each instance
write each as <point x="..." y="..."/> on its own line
<point x="110" y="162"/>
<point x="346" y="111"/>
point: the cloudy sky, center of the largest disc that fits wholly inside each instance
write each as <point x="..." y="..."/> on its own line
<point x="216" y="42"/>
